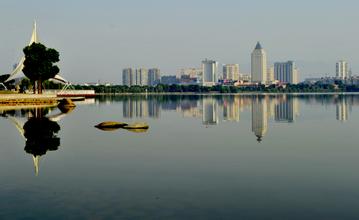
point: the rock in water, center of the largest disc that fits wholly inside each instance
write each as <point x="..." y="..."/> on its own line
<point x="66" y="105"/>
<point x="110" y="125"/>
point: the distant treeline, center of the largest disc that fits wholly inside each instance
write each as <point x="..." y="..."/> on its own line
<point x="161" y="88"/>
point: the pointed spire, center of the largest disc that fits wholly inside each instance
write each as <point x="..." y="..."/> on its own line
<point x="259" y="46"/>
<point x="36" y="160"/>
<point x="34" y="38"/>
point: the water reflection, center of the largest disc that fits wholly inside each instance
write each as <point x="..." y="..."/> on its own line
<point x="41" y="136"/>
<point x="260" y="116"/>
<point x="342" y="108"/>
<point x="40" y="130"/>
<point x="213" y="110"/>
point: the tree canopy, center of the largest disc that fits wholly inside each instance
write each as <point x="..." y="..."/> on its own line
<point x="39" y="62"/>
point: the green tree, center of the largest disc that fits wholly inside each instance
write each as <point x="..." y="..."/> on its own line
<point x="39" y="64"/>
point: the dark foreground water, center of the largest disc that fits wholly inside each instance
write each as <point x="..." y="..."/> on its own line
<point x="203" y="157"/>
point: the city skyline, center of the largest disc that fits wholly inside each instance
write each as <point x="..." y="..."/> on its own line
<point x="175" y="42"/>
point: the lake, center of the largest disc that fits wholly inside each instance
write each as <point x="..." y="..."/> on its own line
<point x="203" y="157"/>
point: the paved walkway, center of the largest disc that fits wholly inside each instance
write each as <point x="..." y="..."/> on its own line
<point x="25" y="96"/>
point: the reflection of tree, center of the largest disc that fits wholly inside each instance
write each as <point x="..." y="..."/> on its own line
<point x="40" y="134"/>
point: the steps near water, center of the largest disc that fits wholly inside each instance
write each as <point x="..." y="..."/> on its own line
<point x="71" y="93"/>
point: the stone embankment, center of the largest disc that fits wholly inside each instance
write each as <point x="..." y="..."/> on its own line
<point x="27" y="99"/>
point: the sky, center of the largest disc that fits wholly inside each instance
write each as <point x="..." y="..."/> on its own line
<point x="97" y="39"/>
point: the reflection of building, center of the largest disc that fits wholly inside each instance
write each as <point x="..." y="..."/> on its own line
<point x="190" y="108"/>
<point x="342" y="109"/>
<point x="210" y="111"/>
<point x="231" y="72"/>
<point x="259" y="117"/>
<point x="140" y="108"/>
<point x="286" y="110"/>
<point x="231" y="111"/>
<point x="259" y="65"/>
<point x="286" y="72"/>
<point x="210" y="69"/>
<point x="342" y="69"/>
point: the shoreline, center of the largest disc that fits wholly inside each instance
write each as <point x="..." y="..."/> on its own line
<point x="32" y="99"/>
<point x="224" y="94"/>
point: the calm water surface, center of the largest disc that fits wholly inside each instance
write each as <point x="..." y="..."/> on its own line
<point x="203" y="157"/>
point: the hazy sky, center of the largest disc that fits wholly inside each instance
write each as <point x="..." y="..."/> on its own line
<point x="96" y="39"/>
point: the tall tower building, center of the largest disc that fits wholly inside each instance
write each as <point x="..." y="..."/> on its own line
<point x="231" y="72"/>
<point x="210" y="72"/>
<point x="142" y="77"/>
<point x="286" y="72"/>
<point x="270" y="74"/>
<point x="154" y="76"/>
<point x="342" y="69"/>
<point x="259" y="65"/>
<point x="127" y="77"/>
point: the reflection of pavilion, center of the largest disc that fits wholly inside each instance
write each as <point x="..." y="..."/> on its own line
<point x="38" y="131"/>
<point x="210" y="111"/>
<point x="286" y="110"/>
<point x="259" y="117"/>
<point x="342" y="109"/>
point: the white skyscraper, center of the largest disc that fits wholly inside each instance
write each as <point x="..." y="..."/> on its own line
<point x="342" y="69"/>
<point x="210" y="70"/>
<point x="270" y="74"/>
<point x="231" y="72"/>
<point x="259" y="65"/>
<point x="142" y="77"/>
<point x="286" y="72"/>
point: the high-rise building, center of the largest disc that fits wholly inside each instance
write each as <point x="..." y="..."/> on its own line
<point x="270" y="74"/>
<point x="286" y="72"/>
<point x="154" y="76"/>
<point x="231" y="72"/>
<point x="259" y="65"/>
<point x="209" y="69"/>
<point x="342" y="69"/>
<point x="127" y="77"/>
<point x="169" y="80"/>
<point x="141" y="77"/>
<point x="191" y="72"/>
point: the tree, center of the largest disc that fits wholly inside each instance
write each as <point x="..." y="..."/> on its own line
<point x="39" y="64"/>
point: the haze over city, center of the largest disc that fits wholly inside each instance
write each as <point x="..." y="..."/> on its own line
<point x="96" y="39"/>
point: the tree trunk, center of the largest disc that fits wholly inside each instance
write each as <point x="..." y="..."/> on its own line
<point x="34" y="87"/>
<point x="39" y="88"/>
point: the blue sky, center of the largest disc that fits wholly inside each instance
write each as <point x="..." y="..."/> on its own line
<point x="96" y="39"/>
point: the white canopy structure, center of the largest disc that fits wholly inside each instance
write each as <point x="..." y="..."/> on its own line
<point x="18" y="69"/>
